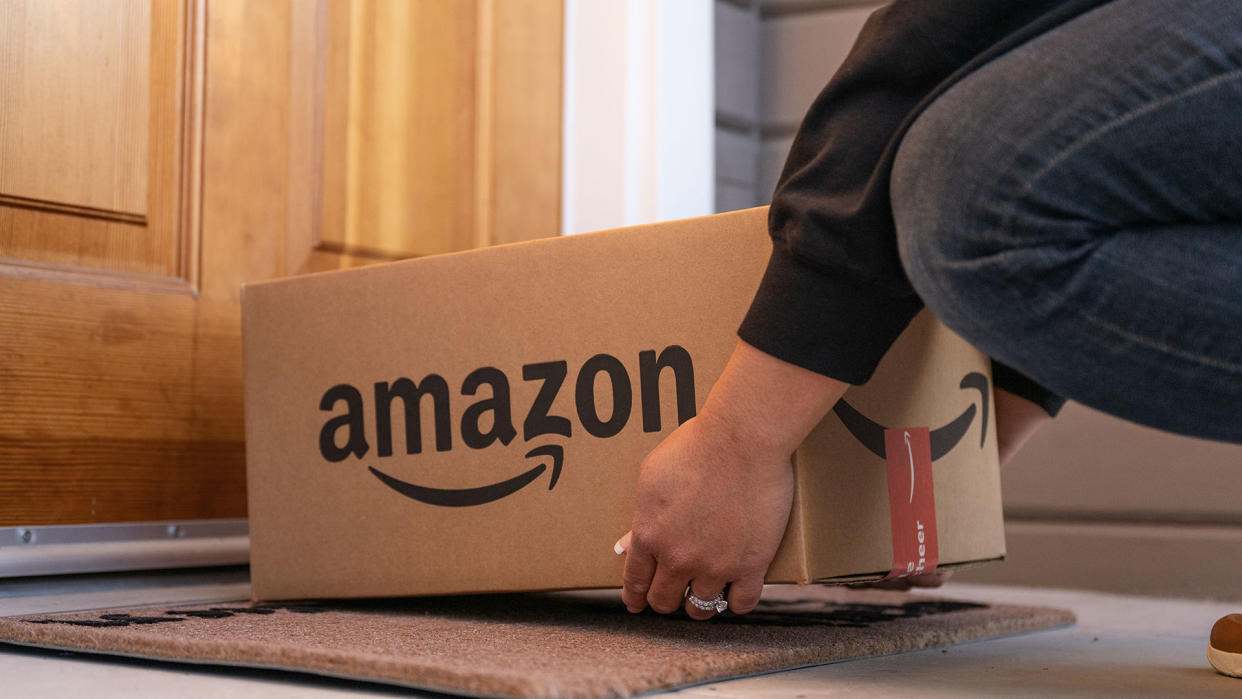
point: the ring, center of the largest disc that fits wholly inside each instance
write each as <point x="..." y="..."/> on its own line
<point x="716" y="604"/>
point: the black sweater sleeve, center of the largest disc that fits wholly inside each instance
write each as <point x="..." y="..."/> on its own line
<point x="834" y="296"/>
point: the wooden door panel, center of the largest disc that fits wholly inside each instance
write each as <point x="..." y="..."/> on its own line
<point x="65" y="60"/>
<point x="120" y="287"/>
<point x="411" y="127"/>
<point x="119" y="405"/>
<point x="119" y="381"/>
<point x="521" y="161"/>
<point x="442" y="127"/>
<point x="95" y="136"/>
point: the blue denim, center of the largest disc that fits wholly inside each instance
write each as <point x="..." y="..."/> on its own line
<point x="1074" y="209"/>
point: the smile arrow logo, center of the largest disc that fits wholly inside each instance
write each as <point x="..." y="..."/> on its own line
<point x="467" y="497"/>
<point x="871" y="434"/>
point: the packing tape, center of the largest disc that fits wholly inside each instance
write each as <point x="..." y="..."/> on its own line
<point x="912" y="501"/>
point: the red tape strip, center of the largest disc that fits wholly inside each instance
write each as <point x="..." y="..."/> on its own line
<point x="912" y="501"/>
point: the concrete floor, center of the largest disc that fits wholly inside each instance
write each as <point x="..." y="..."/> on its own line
<point x="1121" y="647"/>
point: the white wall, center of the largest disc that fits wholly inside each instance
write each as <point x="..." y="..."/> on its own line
<point x="638" y="112"/>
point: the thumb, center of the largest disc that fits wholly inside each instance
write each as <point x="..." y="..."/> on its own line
<point x="623" y="544"/>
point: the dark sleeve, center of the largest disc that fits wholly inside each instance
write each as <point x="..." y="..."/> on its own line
<point x="834" y="296"/>
<point x="1019" y="384"/>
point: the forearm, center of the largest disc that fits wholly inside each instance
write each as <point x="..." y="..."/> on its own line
<point x="835" y="295"/>
<point x="765" y="404"/>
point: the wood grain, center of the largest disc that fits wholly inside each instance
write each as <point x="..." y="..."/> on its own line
<point x="246" y="160"/>
<point x="73" y="123"/>
<point x="461" y="147"/>
<point x="524" y="173"/>
<point x="110" y="398"/>
<point x="94" y="118"/>
<point x="120" y="385"/>
<point x="119" y="480"/>
<point x="120" y="350"/>
<point x="410" y="131"/>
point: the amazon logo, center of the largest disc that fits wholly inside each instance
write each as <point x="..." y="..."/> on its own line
<point x="870" y="433"/>
<point x="489" y="418"/>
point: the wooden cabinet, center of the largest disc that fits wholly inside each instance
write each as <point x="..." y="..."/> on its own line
<point x="155" y="155"/>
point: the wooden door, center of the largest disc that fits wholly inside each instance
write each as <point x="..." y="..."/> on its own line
<point x="157" y="154"/>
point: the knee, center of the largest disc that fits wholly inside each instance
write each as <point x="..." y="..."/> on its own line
<point x="944" y="199"/>
<point x="971" y="237"/>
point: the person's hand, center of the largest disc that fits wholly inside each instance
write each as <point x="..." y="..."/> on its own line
<point x="1017" y="419"/>
<point x="712" y="509"/>
<point x="714" y="496"/>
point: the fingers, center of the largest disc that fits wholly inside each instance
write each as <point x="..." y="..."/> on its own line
<point x="663" y="587"/>
<point x="636" y="580"/>
<point x="706" y="590"/>
<point x="645" y="582"/>
<point x="930" y="579"/>
<point x="668" y="589"/>
<point x="744" y="594"/>
<point x="623" y="544"/>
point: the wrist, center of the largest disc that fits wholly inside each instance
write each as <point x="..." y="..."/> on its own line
<point x="740" y="434"/>
<point x="1017" y="419"/>
<point x="765" y="406"/>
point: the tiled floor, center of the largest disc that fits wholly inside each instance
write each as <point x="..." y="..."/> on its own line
<point x="1121" y="647"/>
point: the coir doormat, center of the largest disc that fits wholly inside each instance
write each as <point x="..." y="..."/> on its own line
<point x="548" y="645"/>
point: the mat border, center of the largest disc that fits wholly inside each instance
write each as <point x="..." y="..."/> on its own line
<point x="198" y="664"/>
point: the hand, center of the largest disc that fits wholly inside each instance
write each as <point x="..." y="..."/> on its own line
<point x="1016" y="420"/>
<point x="714" y="496"/>
<point x="711" y="511"/>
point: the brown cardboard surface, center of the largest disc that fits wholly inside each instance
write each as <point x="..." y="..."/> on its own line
<point x="601" y="307"/>
<point x="917" y="385"/>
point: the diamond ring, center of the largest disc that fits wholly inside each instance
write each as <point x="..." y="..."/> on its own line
<point x="716" y="604"/>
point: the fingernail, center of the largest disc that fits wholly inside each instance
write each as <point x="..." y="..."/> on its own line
<point x="617" y="548"/>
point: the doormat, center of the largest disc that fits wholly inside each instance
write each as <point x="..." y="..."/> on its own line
<point x="533" y="645"/>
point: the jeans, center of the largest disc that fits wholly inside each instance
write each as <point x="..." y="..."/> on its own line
<point x="1074" y="209"/>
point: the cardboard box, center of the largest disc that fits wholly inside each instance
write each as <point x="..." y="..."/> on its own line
<point x="474" y="422"/>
